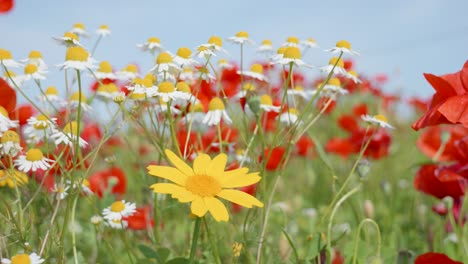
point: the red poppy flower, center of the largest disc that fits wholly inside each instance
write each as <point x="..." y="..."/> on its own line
<point x="348" y="123"/>
<point x="141" y="219"/>
<point x="274" y="157"/>
<point x="99" y="181"/>
<point x="323" y="101"/>
<point x="440" y="181"/>
<point x="340" y="146"/>
<point x="8" y="98"/>
<point x="430" y="142"/>
<point x="6" y="6"/>
<point x="419" y="105"/>
<point x="450" y="102"/>
<point x="23" y="113"/>
<point x="91" y="133"/>
<point x="304" y="145"/>
<point x="435" y="258"/>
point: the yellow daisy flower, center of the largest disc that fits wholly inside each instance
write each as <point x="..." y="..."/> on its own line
<point x="203" y="184"/>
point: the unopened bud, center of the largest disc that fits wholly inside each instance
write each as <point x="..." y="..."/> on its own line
<point x="368" y="209"/>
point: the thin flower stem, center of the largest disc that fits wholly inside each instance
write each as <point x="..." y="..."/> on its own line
<point x="73" y="231"/>
<point x="172" y="128"/>
<point x="54" y="214"/>
<point x="196" y="232"/>
<point x="356" y="238"/>
<point x="214" y="247"/>
<point x="220" y="136"/>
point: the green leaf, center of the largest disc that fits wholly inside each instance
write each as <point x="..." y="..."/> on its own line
<point x="152" y="254"/>
<point x="178" y="260"/>
<point x="163" y="253"/>
<point x="144" y="261"/>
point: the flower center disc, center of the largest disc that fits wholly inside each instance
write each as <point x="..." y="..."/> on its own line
<point x="117" y="206"/>
<point x="21" y="259"/>
<point x="34" y="155"/>
<point x="203" y="185"/>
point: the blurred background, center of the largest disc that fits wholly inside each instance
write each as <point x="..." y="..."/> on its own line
<point x="399" y="38"/>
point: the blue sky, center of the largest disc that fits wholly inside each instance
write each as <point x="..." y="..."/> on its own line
<point x="400" y="38"/>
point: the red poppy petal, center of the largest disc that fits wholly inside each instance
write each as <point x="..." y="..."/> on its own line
<point x="8" y="98"/>
<point x="442" y="87"/>
<point x="6" y="5"/>
<point x="435" y="258"/>
<point x="455" y="109"/>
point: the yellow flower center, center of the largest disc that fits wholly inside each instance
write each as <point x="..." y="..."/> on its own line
<point x="242" y="34"/>
<point x="166" y="87"/>
<point x="147" y="82"/>
<point x="334" y="81"/>
<point x="51" y="90"/>
<point x="292" y="53"/>
<point x="281" y="50"/>
<point x="30" y="69"/>
<point x="183" y="87"/>
<point x="353" y="73"/>
<point x="267" y="42"/>
<point x="71" y="128"/>
<point x="343" y="44"/>
<point x="85" y="183"/>
<point x="381" y="118"/>
<point x="196" y="108"/>
<point x="131" y="68"/>
<point x="76" y="97"/>
<point x="154" y="40"/>
<point x="293" y="111"/>
<point x="338" y="62"/>
<point x="71" y="35"/>
<point x="266" y="100"/>
<point x="137" y="96"/>
<point x="77" y="54"/>
<point x="3" y="111"/>
<point x="6" y="74"/>
<point x="108" y="88"/>
<point x="257" y="68"/>
<point x="104" y="27"/>
<point x="105" y="67"/>
<point x="311" y="40"/>
<point x="216" y="104"/>
<point x="5" y="54"/>
<point x="249" y="87"/>
<point x="187" y="70"/>
<point x="222" y="62"/>
<point x="203" y="185"/>
<point x="35" y="54"/>
<point x="215" y="40"/>
<point x="292" y="39"/>
<point x="164" y="57"/>
<point x="240" y="152"/>
<point x="21" y="259"/>
<point x="79" y="26"/>
<point x="151" y="77"/>
<point x="10" y="136"/>
<point x="41" y="125"/>
<point x="34" y="154"/>
<point x="202" y="48"/>
<point x="184" y="53"/>
<point x="298" y="88"/>
<point x="118" y="206"/>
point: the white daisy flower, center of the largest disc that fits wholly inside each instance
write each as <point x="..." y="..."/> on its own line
<point x="118" y="210"/>
<point x="103" y="31"/>
<point x="203" y="73"/>
<point x="216" y="112"/>
<point x="9" y="143"/>
<point x="105" y="71"/>
<point x="69" y="39"/>
<point x="117" y="224"/>
<point x="162" y="107"/>
<point x="32" y="161"/>
<point x="343" y="46"/>
<point x="5" y="122"/>
<point x="60" y="191"/>
<point x="266" y="103"/>
<point x="224" y="64"/>
<point x="353" y="76"/>
<point x="80" y="30"/>
<point x="290" y="117"/>
<point x="205" y="52"/>
<point x="32" y="71"/>
<point x="248" y="87"/>
<point x="334" y="87"/>
<point x="84" y="186"/>
<point x="256" y="72"/>
<point x="39" y="128"/>
<point x="50" y="95"/>
<point x="187" y="75"/>
<point x="152" y="45"/>
<point x="7" y="59"/>
<point x="183" y="57"/>
<point x="77" y="58"/>
<point x="266" y="47"/>
<point x="130" y="72"/>
<point x="195" y="115"/>
<point x="12" y="79"/>
<point x="75" y="101"/>
<point x="279" y="54"/>
<point x="183" y="87"/>
<point x="309" y="43"/>
<point x="380" y="120"/>
<point x="69" y="135"/>
<point x="107" y="91"/>
<point x="143" y="86"/>
<point x="215" y="44"/>
<point x="298" y="90"/>
<point x="35" y="57"/>
<point x="96" y="219"/>
<point x="338" y="69"/>
<point x="164" y="63"/>
<point x="241" y="157"/>
<point x="23" y="258"/>
<point x="167" y="91"/>
<point x="292" y="42"/>
<point x="292" y="55"/>
<point x="241" y="37"/>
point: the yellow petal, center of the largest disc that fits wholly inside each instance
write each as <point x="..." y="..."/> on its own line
<point x="242" y="180"/>
<point x="179" y="163"/>
<point x="198" y="207"/>
<point x="217" y="209"/>
<point x="232" y="174"/>
<point x="240" y="197"/>
<point x="201" y="163"/>
<point x="184" y="196"/>
<point x="169" y="188"/>
<point x="168" y="173"/>
<point x="216" y="167"/>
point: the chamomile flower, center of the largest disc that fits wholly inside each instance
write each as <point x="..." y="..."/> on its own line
<point x="119" y="97"/>
<point x="247" y="88"/>
<point x="204" y="73"/>
<point x="379" y="120"/>
<point x="183" y="87"/>
<point x="23" y="258"/>
<point x="162" y="107"/>
<point x="117" y="224"/>
<point x="69" y="39"/>
<point x="167" y="91"/>
<point x="79" y="29"/>
<point x="32" y="71"/>
<point x="256" y="72"/>
<point x="279" y="54"/>
<point x="292" y="55"/>
<point x="333" y="86"/>
<point x="35" y="57"/>
<point x="353" y="76"/>
<point x="96" y="219"/>
<point x="83" y="185"/>
<point x="105" y="71"/>
<point x="152" y="45"/>
<point x="128" y="73"/>
<point x="216" y="112"/>
<point x="242" y="157"/>
<point x="215" y="43"/>
<point x="32" y="161"/>
<point x="5" y="122"/>
<point x="289" y="117"/>
<point x="12" y="178"/>
<point x="107" y="91"/>
<point x="343" y="46"/>
<point x="119" y="209"/>
<point x="50" y="95"/>
<point x="335" y="64"/>
<point x="7" y="59"/>
<point x="187" y="75"/>
<point x="68" y="136"/>
<point x="60" y="191"/>
<point x="309" y="43"/>
<point x="298" y="90"/>
<point x="77" y="58"/>
<point x="10" y="143"/>
<point x="224" y="64"/>
<point x="103" y="31"/>
<point x="12" y="79"/>
<point x="266" y="103"/>
<point x="195" y="115"/>
<point x="266" y="46"/>
<point x="241" y="37"/>
<point x="76" y="101"/>
<point x="292" y="41"/>
<point x="183" y="57"/>
<point x="39" y="128"/>
<point x="205" y="52"/>
<point x="164" y="63"/>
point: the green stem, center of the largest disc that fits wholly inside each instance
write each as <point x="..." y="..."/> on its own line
<point x="356" y="239"/>
<point x="196" y="231"/>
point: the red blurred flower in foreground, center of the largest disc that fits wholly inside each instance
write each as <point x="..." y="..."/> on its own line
<point x="8" y="95"/>
<point x="435" y="258"/>
<point x="456" y="143"/>
<point x="6" y="6"/>
<point x="99" y="181"/>
<point x="441" y="181"/>
<point x="450" y="102"/>
<point x="274" y="157"/>
<point x="23" y="113"/>
<point x="141" y="219"/>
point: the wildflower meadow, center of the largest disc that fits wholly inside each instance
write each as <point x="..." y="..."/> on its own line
<point x="210" y="156"/>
